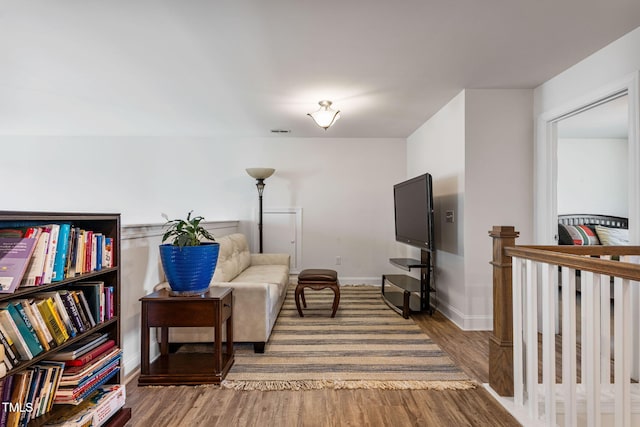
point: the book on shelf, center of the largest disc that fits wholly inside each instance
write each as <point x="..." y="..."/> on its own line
<point x="5" y="395"/>
<point x="24" y="308"/>
<point x="75" y="395"/>
<point x="95" y="411"/>
<point x="69" y="267"/>
<point x="99" y="249"/>
<point x="32" y="388"/>
<point x="91" y="354"/>
<point x="29" y="394"/>
<point x="109" y="303"/>
<point x="15" y="254"/>
<point x="3" y="365"/>
<point x="22" y="328"/>
<point x="52" y="319"/>
<point x="93" y="292"/>
<point x="80" y="347"/>
<point x="43" y="390"/>
<point x="50" y="258"/>
<point x="62" y="312"/>
<point x="18" y="396"/>
<point x="86" y="309"/>
<point x="80" y="309"/>
<point x="61" y="253"/>
<point x="12" y="330"/>
<point x="79" y="375"/>
<point x="57" y="368"/>
<point x="33" y="277"/>
<point x="48" y="338"/>
<point x="107" y="254"/>
<point x="28" y="331"/>
<point x="15" y="233"/>
<point x="10" y="350"/>
<point x="72" y="309"/>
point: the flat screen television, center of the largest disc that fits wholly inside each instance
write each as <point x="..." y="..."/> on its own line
<point x="413" y="205"/>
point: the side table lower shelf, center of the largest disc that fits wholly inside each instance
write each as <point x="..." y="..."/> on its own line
<point x="186" y="369"/>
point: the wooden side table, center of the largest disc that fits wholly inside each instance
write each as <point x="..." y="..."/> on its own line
<point x="160" y="310"/>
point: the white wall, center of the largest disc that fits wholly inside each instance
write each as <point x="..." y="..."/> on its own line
<point x="498" y="185"/>
<point x="593" y="176"/>
<point x="437" y="147"/>
<point x="343" y="185"/>
<point x="478" y="149"/>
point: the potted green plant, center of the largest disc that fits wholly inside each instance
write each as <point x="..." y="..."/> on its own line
<point x="190" y="259"/>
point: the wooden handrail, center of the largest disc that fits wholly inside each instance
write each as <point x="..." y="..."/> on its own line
<point x="569" y="258"/>
<point x="588" y="250"/>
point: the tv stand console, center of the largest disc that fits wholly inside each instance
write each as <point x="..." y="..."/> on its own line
<point x="406" y="294"/>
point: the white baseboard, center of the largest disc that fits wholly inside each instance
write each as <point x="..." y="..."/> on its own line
<point x="464" y="321"/>
<point x="373" y="281"/>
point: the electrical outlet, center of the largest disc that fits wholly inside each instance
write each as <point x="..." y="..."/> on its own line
<point x="338" y="260"/>
<point x="449" y="216"/>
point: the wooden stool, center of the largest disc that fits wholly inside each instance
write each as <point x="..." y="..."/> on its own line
<point x="317" y="279"/>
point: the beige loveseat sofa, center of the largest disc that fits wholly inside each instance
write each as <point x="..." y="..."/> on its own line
<point x="259" y="283"/>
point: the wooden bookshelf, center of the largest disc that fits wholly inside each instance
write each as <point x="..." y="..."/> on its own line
<point x="108" y="225"/>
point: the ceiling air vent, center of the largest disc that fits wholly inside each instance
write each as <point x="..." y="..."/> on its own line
<point x="280" y="130"/>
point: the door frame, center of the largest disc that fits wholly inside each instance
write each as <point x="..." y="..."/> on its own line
<point x="545" y="221"/>
<point x="295" y="269"/>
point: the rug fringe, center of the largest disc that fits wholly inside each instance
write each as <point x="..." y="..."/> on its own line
<point x="300" y="385"/>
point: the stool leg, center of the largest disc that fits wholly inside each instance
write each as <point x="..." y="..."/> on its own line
<point x="336" y="299"/>
<point x="298" y="290"/>
<point x="304" y="301"/>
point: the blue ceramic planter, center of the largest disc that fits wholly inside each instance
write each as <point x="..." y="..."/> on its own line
<point x="189" y="269"/>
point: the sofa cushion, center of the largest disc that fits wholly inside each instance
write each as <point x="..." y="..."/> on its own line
<point x="276" y="274"/>
<point x="233" y="258"/>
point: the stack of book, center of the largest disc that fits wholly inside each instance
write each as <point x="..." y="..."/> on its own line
<point x="95" y="411"/>
<point x="45" y="320"/>
<point x="36" y="255"/>
<point x="29" y="394"/>
<point x="89" y="363"/>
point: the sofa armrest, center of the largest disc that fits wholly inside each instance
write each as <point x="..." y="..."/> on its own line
<point x="270" y="259"/>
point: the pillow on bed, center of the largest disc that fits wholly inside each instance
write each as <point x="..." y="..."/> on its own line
<point x="612" y="236"/>
<point x="582" y="235"/>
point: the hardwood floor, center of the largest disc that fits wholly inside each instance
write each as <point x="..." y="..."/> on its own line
<point x="208" y="406"/>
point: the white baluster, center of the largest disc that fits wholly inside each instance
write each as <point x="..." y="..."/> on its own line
<point x="622" y="351"/>
<point x="531" y="329"/>
<point x="591" y="346"/>
<point x="605" y="335"/>
<point x="549" y="344"/>
<point x="518" y="369"/>
<point x="569" y="346"/>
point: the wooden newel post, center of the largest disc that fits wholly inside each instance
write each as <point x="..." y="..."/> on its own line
<point x="501" y="340"/>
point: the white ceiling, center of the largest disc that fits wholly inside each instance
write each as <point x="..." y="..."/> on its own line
<point x="243" y="67"/>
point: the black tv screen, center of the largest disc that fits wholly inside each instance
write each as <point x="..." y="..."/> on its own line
<point x="413" y="205"/>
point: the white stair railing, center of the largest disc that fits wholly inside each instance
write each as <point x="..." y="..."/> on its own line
<point x="569" y="393"/>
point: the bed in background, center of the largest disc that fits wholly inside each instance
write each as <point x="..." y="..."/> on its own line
<point x="592" y="229"/>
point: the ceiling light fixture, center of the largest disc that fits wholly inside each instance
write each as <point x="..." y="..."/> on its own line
<point x="325" y="116"/>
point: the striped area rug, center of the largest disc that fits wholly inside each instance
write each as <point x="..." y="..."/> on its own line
<point x="366" y="345"/>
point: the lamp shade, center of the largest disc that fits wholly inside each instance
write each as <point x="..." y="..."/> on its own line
<point x="260" y="173"/>
<point x="325" y="116"/>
